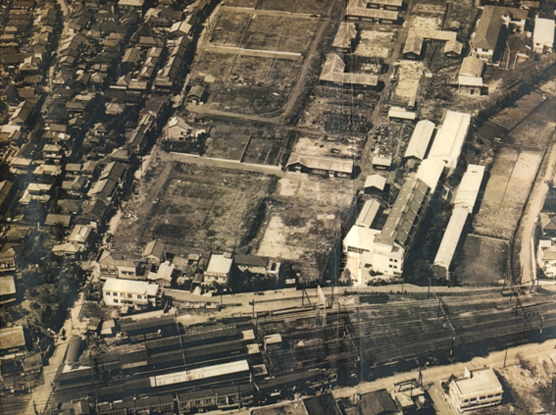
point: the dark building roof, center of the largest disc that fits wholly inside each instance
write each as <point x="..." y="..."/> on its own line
<point x="251" y="260"/>
<point x="377" y="403"/>
<point x="405" y="214"/>
<point x="323" y="404"/>
<point x="490" y="25"/>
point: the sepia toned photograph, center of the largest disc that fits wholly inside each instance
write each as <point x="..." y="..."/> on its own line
<point x="277" y="207"/>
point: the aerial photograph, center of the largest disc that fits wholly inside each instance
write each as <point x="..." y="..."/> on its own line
<point x="277" y="207"/>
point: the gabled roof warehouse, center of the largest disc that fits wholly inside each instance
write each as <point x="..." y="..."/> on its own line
<point x="420" y="140"/>
<point x="469" y="187"/>
<point x="368" y="213"/>
<point x="451" y="237"/>
<point x="449" y="139"/>
<point x="405" y="214"/>
<point x="430" y="171"/>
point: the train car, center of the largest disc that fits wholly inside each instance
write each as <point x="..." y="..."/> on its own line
<point x="214" y="351"/>
<point x="158" y="404"/>
<point x="173" y="358"/>
<point x="271" y="389"/>
<point x="208" y="336"/>
<point x="131" y="387"/>
<point x="223" y="398"/>
<point x="73" y="377"/>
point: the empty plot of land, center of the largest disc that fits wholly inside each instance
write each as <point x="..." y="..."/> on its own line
<point x="227" y="146"/>
<point x="242" y="3"/>
<point x="293" y="6"/>
<point x="409" y="75"/>
<point x="199" y="208"/>
<point x="506" y="192"/>
<point x="212" y="69"/>
<point x="277" y="33"/>
<point x="264" y="151"/>
<point x="509" y="117"/>
<point x="257" y="85"/>
<point x="229" y="28"/>
<point x="303" y="219"/>
<point x="428" y="22"/>
<point x="537" y="129"/>
<point x="375" y="43"/>
<point x="483" y="261"/>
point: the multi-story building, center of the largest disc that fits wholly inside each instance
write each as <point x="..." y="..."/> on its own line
<point x="475" y="390"/>
<point x="128" y="293"/>
<point x="218" y="269"/>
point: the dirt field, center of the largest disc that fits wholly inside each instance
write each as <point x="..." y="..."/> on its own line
<point x="229" y="146"/>
<point x="294" y="6"/>
<point x="196" y="208"/>
<point x="264" y="150"/>
<point x="506" y="192"/>
<point x="276" y="33"/>
<point x="531" y="384"/>
<point x="483" y="261"/>
<point x="537" y="129"/>
<point x="257" y="85"/>
<point x="509" y="117"/>
<point x="376" y="44"/>
<point x="212" y="69"/>
<point x="229" y="29"/>
<point x="409" y="75"/>
<point x="304" y="217"/>
<point x="241" y="3"/>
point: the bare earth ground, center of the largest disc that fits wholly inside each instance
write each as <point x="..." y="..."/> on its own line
<point x="229" y="29"/>
<point x="193" y="207"/>
<point x="304" y="217"/>
<point x="375" y="43"/>
<point x="409" y="75"/>
<point x="483" y="261"/>
<point x="294" y="6"/>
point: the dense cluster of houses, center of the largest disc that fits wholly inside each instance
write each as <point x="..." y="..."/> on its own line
<point x="139" y="282"/>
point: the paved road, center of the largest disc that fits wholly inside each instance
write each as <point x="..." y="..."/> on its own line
<point x="254" y="52"/>
<point x="432" y="375"/>
<point x="534" y="205"/>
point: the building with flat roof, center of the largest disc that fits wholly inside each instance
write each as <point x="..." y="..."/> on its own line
<point x="543" y="35"/>
<point x="420" y="140"/>
<point x="129" y="293"/>
<point x="218" y="269"/>
<point x="448" y="143"/>
<point x="475" y="390"/>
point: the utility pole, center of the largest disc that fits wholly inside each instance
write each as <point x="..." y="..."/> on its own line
<point x="505" y="357"/>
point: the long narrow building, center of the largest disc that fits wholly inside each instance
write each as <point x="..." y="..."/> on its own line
<point x="450" y="138"/>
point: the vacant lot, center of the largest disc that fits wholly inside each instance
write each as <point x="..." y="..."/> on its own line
<point x="264" y="150"/>
<point x="375" y="44"/>
<point x="229" y="28"/>
<point x="483" y="261"/>
<point x="409" y="75"/>
<point x="276" y="33"/>
<point x="506" y="192"/>
<point x="294" y="6"/>
<point x="257" y="85"/>
<point x="241" y="3"/>
<point x="537" y="128"/>
<point x="509" y="117"/>
<point x="197" y="208"/>
<point x="212" y="69"/>
<point x="303" y="219"/>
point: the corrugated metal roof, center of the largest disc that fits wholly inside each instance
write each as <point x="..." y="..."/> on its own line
<point x="368" y="213"/>
<point x="468" y="189"/>
<point x="420" y="140"/>
<point x="451" y="237"/>
<point x="450" y="137"/>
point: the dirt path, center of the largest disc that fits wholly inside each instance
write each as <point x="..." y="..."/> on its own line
<point x="534" y="205"/>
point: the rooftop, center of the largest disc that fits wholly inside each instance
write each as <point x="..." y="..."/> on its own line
<point x="450" y="137"/>
<point x="130" y="286"/>
<point x="420" y="140"/>
<point x="451" y="237"/>
<point x="468" y="189"/>
<point x="483" y="382"/>
<point x="12" y="337"/>
<point x="322" y="163"/>
<point x="368" y="213"/>
<point x="7" y="286"/>
<point x="219" y="264"/>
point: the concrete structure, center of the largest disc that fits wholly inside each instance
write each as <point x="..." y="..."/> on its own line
<point x="543" y="35"/>
<point x="476" y="389"/>
<point x="420" y="140"/>
<point x="450" y="137"/>
<point x="470" y="76"/>
<point x="384" y="251"/>
<point x="218" y="269"/>
<point x="129" y="293"/>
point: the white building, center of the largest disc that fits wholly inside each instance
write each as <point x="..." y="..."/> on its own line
<point x="543" y="35"/>
<point x="546" y="257"/>
<point x="218" y="269"/>
<point x="468" y="190"/>
<point x="384" y="251"/>
<point x="368" y="213"/>
<point x="475" y="390"/>
<point x="130" y="293"/>
<point x="449" y="139"/>
<point x="430" y="171"/>
<point x="420" y="139"/>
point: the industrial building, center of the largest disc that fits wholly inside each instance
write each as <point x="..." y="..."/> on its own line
<point x="420" y="140"/>
<point x="448" y="143"/>
<point x="464" y="203"/>
<point x="430" y="171"/>
<point x="327" y="166"/>
<point x="543" y="35"/>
